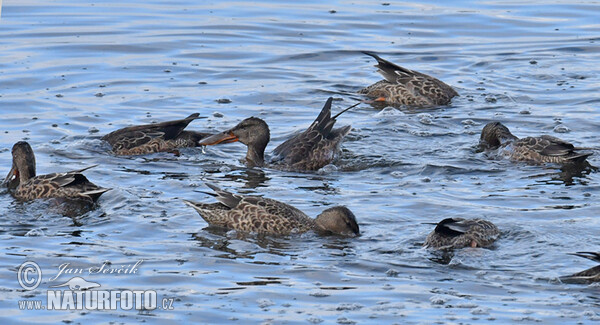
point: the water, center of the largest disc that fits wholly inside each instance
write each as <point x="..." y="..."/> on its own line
<point x="71" y="71"/>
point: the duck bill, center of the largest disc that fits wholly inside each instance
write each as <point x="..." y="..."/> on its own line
<point x="13" y="174"/>
<point x="219" y="138"/>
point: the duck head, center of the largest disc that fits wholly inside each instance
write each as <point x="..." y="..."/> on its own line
<point x="23" y="166"/>
<point x="253" y="132"/>
<point x="338" y="220"/>
<point x="495" y="134"/>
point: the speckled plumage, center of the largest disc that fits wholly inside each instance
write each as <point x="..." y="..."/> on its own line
<point x="27" y="186"/>
<point x="587" y="276"/>
<point x="542" y="149"/>
<point x="150" y="138"/>
<point x="402" y="86"/>
<point x="268" y="216"/>
<point x="453" y="233"/>
<point x="309" y="150"/>
<point x="313" y="148"/>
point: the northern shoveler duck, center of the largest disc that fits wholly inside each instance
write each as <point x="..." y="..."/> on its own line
<point x="28" y="186"/>
<point x="402" y="86"/>
<point x="453" y="233"/>
<point x="588" y="276"/>
<point x="267" y="216"/>
<point x="309" y="150"/>
<point x="158" y="137"/>
<point x="543" y="149"/>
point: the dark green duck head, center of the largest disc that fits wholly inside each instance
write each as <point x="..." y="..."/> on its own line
<point x="23" y="166"/>
<point x="337" y="220"/>
<point x="495" y="134"/>
<point x="253" y="132"/>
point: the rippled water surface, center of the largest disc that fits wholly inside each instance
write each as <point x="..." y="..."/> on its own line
<point x="71" y="71"/>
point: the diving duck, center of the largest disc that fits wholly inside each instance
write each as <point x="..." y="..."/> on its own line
<point x="453" y="233"/>
<point x="28" y="186"/>
<point x="267" y="216"/>
<point x="310" y="150"/>
<point x="587" y="276"/>
<point x="158" y="137"/>
<point x="542" y="149"/>
<point x="402" y="86"/>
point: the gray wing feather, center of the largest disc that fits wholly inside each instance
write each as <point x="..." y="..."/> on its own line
<point x="228" y="199"/>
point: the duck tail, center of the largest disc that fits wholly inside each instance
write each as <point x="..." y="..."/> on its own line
<point x="341" y="132"/>
<point x="345" y="110"/>
<point x="579" y="158"/>
<point x="78" y="171"/>
<point x="594" y="256"/>
<point x="96" y="193"/>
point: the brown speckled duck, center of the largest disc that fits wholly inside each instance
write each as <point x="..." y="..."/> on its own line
<point x="306" y="151"/>
<point x="159" y="137"/>
<point x="453" y="233"/>
<point x="28" y="186"/>
<point x="542" y="149"/>
<point x="402" y="86"/>
<point x="587" y="276"/>
<point x="267" y="216"/>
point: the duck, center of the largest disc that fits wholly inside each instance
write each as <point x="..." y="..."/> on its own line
<point x="452" y="233"/>
<point x="25" y="185"/>
<point x="309" y="150"/>
<point x="410" y="88"/>
<point x="542" y="149"/>
<point x="158" y="137"/>
<point x="255" y="214"/>
<point x="587" y="276"/>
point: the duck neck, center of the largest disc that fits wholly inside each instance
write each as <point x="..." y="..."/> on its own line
<point x="25" y="172"/>
<point x="318" y="226"/>
<point x="255" y="157"/>
<point x="506" y="137"/>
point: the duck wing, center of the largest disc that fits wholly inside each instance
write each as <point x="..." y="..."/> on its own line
<point x="552" y="147"/>
<point x="316" y="146"/>
<point x="419" y="84"/>
<point x="70" y="184"/>
<point x="392" y="72"/>
<point x="585" y="276"/>
<point x="269" y="206"/>
<point x="589" y="255"/>
<point x="274" y="207"/>
<point x="251" y="213"/>
<point x="135" y="136"/>
<point x="228" y="199"/>
<point x="454" y="226"/>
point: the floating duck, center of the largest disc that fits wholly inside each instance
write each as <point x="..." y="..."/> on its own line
<point x="309" y="150"/>
<point x="267" y="216"/>
<point x="588" y="276"/>
<point x="402" y="86"/>
<point x="453" y="233"/>
<point x="25" y="185"/>
<point x="159" y="137"/>
<point x="542" y="149"/>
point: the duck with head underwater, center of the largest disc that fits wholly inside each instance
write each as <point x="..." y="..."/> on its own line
<point x="158" y="137"/>
<point x="452" y="233"/>
<point x="542" y="149"/>
<point x="267" y="216"/>
<point x="590" y="275"/>
<point x="401" y="86"/>
<point x="307" y="151"/>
